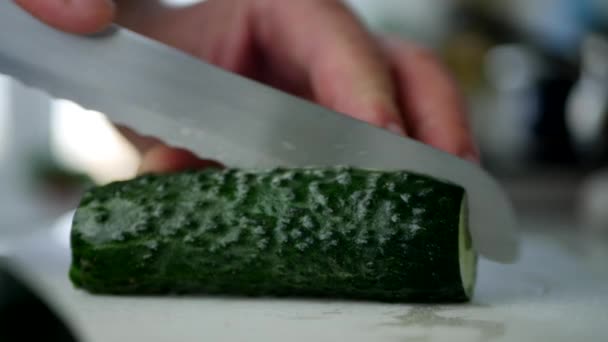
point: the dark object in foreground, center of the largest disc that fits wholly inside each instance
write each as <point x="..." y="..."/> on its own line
<point x="340" y="232"/>
<point x="23" y="314"/>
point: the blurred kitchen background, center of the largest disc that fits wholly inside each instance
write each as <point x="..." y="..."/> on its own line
<point x="535" y="73"/>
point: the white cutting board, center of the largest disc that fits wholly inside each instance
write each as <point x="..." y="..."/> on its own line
<point x="558" y="291"/>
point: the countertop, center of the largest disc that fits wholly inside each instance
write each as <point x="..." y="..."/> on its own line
<point x="557" y="291"/>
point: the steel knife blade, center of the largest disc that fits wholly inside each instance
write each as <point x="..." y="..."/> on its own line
<point x="157" y="90"/>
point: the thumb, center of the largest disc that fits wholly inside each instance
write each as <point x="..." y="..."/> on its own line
<point x="75" y="16"/>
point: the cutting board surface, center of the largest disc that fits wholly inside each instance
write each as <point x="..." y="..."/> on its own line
<point x="558" y="291"/>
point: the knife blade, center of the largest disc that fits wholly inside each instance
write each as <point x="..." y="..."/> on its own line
<point x="159" y="91"/>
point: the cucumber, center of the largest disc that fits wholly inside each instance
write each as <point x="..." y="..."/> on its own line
<point x="335" y="232"/>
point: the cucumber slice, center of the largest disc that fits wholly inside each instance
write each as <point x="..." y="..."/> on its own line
<point x="337" y="232"/>
<point x="467" y="255"/>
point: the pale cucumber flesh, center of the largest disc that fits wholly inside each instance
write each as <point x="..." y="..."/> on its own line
<point x="466" y="254"/>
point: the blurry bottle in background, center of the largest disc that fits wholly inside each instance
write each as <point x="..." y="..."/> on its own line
<point x="587" y="106"/>
<point x="512" y="72"/>
<point x="588" y="119"/>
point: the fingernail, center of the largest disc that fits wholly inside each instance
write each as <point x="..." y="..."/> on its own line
<point x="393" y="127"/>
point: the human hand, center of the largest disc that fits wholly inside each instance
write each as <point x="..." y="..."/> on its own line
<point x="316" y="49"/>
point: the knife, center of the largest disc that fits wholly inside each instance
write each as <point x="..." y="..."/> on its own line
<point x="159" y="91"/>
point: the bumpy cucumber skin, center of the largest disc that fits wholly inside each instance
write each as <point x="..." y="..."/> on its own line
<point x="339" y="232"/>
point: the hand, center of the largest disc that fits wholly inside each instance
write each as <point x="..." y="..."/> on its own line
<point x="316" y="49"/>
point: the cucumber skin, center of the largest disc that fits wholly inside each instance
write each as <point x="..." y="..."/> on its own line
<point x="340" y="233"/>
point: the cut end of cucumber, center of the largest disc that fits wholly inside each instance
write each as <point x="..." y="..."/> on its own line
<point x="467" y="254"/>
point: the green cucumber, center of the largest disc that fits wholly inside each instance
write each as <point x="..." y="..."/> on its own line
<point x="337" y="232"/>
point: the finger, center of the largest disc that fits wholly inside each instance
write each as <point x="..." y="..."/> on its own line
<point x="164" y="159"/>
<point x="160" y="158"/>
<point x="75" y="16"/>
<point x="434" y="110"/>
<point x="141" y="142"/>
<point x="322" y="44"/>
